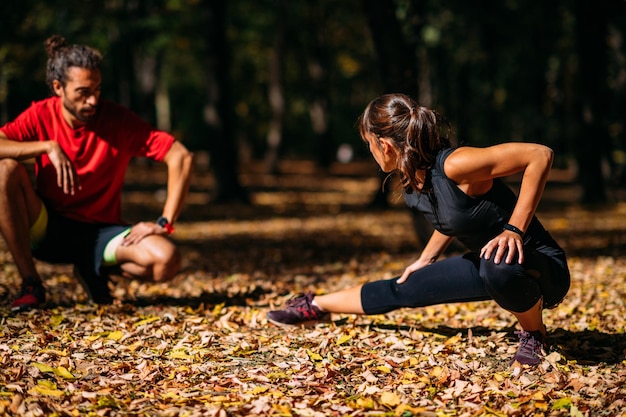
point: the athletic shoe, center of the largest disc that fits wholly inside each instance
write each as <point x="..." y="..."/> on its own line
<point x="530" y="350"/>
<point x="299" y="310"/>
<point x="96" y="287"/>
<point x="32" y="295"/>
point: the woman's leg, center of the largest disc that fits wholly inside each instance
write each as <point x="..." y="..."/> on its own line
<point x="345" y="301"/>
<point x="451" y="280"/>
<point x="454" y="279"/>
<point x="523" y="289"/>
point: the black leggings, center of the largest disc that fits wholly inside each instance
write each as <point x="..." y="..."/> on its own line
<point x="468" y="277"/>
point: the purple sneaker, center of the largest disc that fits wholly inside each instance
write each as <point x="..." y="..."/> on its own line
<point x="298" y="310"/>
<point x="530" y="350"/>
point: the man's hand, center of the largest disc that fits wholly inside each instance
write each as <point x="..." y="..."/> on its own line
<point x="142" y="230"/>
<point x="505" y="241"/>
<point x="66" y="173"/>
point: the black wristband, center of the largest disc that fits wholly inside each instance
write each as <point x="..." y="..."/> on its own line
<point x="514" y="229"/>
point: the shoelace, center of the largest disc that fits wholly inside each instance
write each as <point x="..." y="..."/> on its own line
<point x="529" y="345"/>
<point x="303" y="305"/>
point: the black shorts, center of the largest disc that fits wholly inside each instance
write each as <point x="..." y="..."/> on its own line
<point x="70" y="241"/>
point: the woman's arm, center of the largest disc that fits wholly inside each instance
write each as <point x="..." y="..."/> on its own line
<point x="474" y="169"/>
<point x="436" y="245"/>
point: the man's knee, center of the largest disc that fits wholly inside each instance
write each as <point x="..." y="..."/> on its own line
<point x="167" y="266"/>
<point x="9" y="168"/>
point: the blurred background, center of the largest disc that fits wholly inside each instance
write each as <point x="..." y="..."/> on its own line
<point x="269" y="80"/>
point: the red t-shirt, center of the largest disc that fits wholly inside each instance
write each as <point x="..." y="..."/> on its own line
<point x="100" y="151"/>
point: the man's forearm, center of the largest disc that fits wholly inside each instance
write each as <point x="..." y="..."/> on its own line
<point x="22" y="150"/>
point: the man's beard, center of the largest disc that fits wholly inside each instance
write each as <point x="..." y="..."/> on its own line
<point x="80" y="115"/>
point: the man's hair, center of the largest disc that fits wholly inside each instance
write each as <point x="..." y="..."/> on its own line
<point x="62" y="56"/>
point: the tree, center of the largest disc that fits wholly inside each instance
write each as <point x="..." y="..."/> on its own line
<point x="397" y="61"/>
<point x="592" y="143"/>
<point x="218" y="110"/>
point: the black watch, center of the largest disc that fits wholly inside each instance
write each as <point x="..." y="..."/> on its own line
<point x="164" y="223"/>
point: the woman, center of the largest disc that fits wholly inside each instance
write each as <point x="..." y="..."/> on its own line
<point x="512" y="260"/>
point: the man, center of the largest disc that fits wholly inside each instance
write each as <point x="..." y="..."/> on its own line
<point x="82" y="146"/>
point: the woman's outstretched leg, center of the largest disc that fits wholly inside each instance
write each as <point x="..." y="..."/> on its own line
<point x="454" y="279"/>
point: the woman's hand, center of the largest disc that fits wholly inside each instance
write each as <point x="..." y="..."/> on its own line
<point x="506" y="242"/>
<point x="412" y="268"/>
<point x="142" y="230"/>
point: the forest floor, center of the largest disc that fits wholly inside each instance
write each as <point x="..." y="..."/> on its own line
<point x="201" y="345"/>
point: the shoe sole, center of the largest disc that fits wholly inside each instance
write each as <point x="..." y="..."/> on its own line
<point x="310" y="323"/>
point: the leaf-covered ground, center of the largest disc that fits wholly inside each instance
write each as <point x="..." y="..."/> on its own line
<point x="201" y="345"/>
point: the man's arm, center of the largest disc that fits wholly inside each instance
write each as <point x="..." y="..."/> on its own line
<point x="179" y="161"/>
<point x="20" y="151"/>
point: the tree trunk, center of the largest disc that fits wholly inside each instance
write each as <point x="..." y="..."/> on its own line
<point x="276" y="97"/>
<point x="218" y="108"/>
<point x="592" y="142"/>
<point x="318" y="70"/>
<point x="397" y="62"/>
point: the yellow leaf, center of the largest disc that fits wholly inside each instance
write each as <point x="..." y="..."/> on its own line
<point x="452" y="341"/>
<point x="217" y="309"/>
<point x="390" y="399"/>
<point x="343" y="339"/>
<point x="46" y="391"/>
<point x="56" y="319"/>
<point x="116" y="335"/>
<point x="408" y="377"/>
<point x="561" y="403"/>
<point x="498" y="377"/>
<point x="436" y="371"/>
<point x="55" y="352"/>
<point x="277" y="375"/>
<point x="179" y="354"/>
<point x="384" y="369"/>
<point x="170" y="394"/>
<point x="135" y="346"/>
<point x="538" y="396"/>
<point x="44" y="383"/>
<point x="314" y="356"/>
<point x="43" y="367"/>
<point x="366" y="403"/>
<point x="413" y="361"/>
<point x="259" y="390"/>
<point x="63" y="372"/>
<point x="147" y="320"/>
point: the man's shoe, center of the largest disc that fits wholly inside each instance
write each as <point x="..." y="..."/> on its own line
<point x="96" y="287"/>
<point x="32" y="295"/>
<point x="299" y="310"/>
<point x="531" y="348"/>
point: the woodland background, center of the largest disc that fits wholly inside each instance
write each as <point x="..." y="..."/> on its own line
<point x="285" y="199"/>
<point x="271" y="79"/>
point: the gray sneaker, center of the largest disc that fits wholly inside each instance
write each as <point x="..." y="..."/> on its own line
<point x="298" y="310"/>
<point x="531" y="348"/>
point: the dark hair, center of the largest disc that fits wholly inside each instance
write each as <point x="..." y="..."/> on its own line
<point x="415" y="130"/>
<point x="62" y="56"/>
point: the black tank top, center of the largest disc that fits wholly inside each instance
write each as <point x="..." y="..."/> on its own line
<point x="472" y="220"/>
